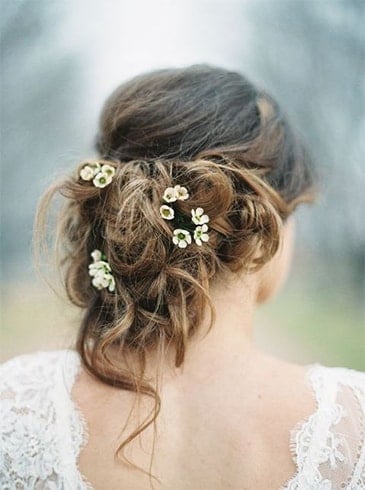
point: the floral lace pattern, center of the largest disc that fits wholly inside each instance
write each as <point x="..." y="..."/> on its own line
<point x="42" y="432"/>
<point x="329" y="447"/>
<point x="37" y="448"/>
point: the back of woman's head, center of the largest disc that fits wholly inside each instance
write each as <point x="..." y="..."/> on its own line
<point x="211" y="131"/>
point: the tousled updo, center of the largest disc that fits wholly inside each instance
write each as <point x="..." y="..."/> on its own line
<point x="202" y="127"/>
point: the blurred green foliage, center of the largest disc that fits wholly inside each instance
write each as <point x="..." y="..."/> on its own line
<point x="324" y="325"/>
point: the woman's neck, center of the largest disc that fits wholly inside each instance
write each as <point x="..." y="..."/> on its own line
<point x="231" y="336"/>
<point x="227" y="343"/>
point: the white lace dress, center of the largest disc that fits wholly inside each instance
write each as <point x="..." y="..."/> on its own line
<point x="42" y="432"/>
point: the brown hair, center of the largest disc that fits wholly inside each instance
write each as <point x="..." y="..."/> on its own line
<point x="228" y="143"/>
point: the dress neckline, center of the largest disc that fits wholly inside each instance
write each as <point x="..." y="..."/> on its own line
<point x="295" y="432"/>
<point x="302" y="427"/>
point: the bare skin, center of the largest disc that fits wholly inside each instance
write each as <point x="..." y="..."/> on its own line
<point x="226" y="414"/>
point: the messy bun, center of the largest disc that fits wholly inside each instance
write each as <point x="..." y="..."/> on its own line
<point x="213" y="132"/>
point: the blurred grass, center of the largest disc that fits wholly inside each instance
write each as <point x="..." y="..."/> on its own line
<point x="330" y="327"/>
<point x="34" y="318"/>
<point x="300" y="325"/>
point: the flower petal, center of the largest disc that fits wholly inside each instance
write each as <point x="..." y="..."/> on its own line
<point x="96" y="255"/>
<point x="169" y="195"/>
<point x="108" y="169"/>
<point x="101" y="180"/>
<point x="181" y="192"/>
<point x="166" y="212"/>
<point x="87" y="173"/>
<point x="204" y="218"/>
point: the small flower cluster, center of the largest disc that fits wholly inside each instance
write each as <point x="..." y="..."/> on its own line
<point x="101" y="272"/>
<point x="181" y="237"/>
<point x="100" y="174"/>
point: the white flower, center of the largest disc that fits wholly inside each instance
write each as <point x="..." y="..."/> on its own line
<point x="100" y="175"/>
<point x="108" y="169"/>
<point x="200" y="234"/>
<point x="102" y="179"/>
<point x="89" y="170"/>
<point x="198" y="216"/>
<point x="100" y="271"/>
<point x="169" y="195"/>
<point x="93" y="269"/>
<point x="104" y="280"/>
<point x="96" y="255"/>
<point x="100" y="266"/>
<point x="181" y="193"/>
<point x="100" y="281"/>
<point x="87" y="173"/>
<point x="97" y="282"/>
<point x="181" y="238"/>
<point x="167" y="212"/>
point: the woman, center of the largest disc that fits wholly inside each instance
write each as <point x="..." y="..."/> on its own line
<point x="169" y="240"/>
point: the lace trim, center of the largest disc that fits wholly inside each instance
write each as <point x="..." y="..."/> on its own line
<point x="80" y="431"/>
<point x="37" y="452"/>
<point x="358" y="477"/>
<point x="41" y="429"/>
<point x="302" y="427"/>
<point x="308" y="445"/>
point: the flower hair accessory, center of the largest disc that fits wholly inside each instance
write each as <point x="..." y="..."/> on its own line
<point x="101" y="272"/>
<point x="182" y="235"/>
<point x="100" y="173"/>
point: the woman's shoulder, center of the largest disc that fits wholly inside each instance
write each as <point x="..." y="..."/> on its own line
<point x="40" y="430"/>
<point x="38" y="358"/>
<point x="328" y="447"/>
<point x="338" y="389"/>
<point x="340" y="374"/>
<point x="35" y="379"/>
<point x="333" y="383"/>
<point x="38" y="370"/>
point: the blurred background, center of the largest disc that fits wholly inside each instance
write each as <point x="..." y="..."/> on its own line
<point x="61" y="59"/>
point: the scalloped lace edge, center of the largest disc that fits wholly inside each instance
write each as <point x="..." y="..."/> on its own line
<point x="302" y="426"/>
<point x="80" y="421"/>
